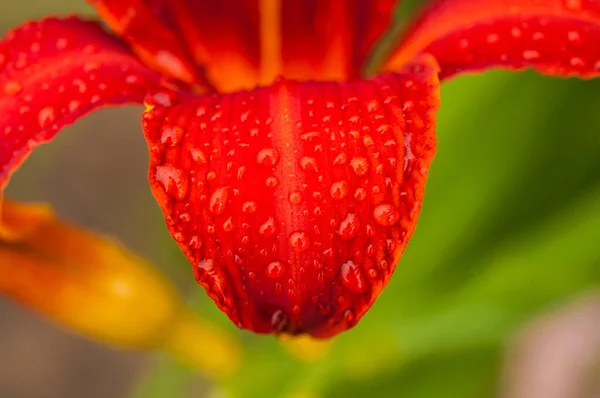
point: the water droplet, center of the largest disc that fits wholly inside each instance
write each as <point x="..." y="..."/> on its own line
<point x="171" y="136"/>
<point x="531" y="55"/>
<point x="349" y="227"/>
<point x="12" y="87"/>
<point x="308" y="137"/>
<point x="339" y="190"/>
<point x="198" y="156"/>
<point x="272" y="182"/>
<point x="240" y="172"/>
<point x="163" y="98"/>
<point x="278" y="288"/>
<point x="228" y="225"/>
<point x="74" y="105"/>
<point x="46" y="116"/>
<point x="274" y="269"/>
<point x="296" y="310"/>
<point x="195" y="243"/>
<point x="360" y="194"/>
<point x="340" y="159"/>
<point x="295" y="197"/>
<point x="349" y="315"/>
<point x="174" y="181"/>
<point x="308" y="163"/>
<point x="268" y="157"/>
<point x="577" y="62"/>
<point x="279" y="321"/>
<point x="299" y="241"/>
<point x="268" y="228"/>
<point x="359" y="165"/>
<point x="574" y="36"/>
<point x="385" y="214"/>
<point x="353" y="277"/>
<point x="212" y="275"/>
<point x="218" y="201"/>
<point x="249" y="207"/>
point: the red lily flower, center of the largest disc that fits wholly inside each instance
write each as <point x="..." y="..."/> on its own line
<point x="294" y="200"/>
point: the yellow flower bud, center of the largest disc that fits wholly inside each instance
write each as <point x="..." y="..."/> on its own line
<point x="93" y="286"/>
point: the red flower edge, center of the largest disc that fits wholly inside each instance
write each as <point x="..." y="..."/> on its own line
<point x="295" y="202"/>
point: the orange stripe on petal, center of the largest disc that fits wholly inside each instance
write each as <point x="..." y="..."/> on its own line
<point x="184" y="37"/>
<point x="294" y="202"/>
<point x="556" y="37"/>
<point x="330" y="39"/>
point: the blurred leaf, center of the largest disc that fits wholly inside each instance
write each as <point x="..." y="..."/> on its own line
<point x="508" y="230"/>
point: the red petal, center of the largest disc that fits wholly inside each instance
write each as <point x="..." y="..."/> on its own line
<point x="556" y="37"/>
<point x="180" y="37"/>
<point x="330" y="39"/>
<point x="294" y="202"/>
<point x="53" y="72"/>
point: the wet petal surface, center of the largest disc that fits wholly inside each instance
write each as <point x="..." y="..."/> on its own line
<point x="53" y="72"/>
<point x="295" y="202"/>
<point x="556" y="37"/>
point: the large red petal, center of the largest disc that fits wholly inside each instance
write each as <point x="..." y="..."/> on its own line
<point x="556" y="37"/>
<point x="182" y="37"/>
<point x="295" y="202"/>
<point x="54" y="71"/>
<point x="330" y="39"/>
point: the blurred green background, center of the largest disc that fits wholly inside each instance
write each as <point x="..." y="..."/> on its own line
<point x="508" y="233"/>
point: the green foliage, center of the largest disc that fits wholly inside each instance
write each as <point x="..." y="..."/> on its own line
<point x="508" y="230"/>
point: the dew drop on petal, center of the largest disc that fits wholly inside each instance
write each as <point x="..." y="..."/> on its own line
<point x="386" y="215"/>
<point x="213" y="276"/>
<point x="171" y="136"/>
<point x="274" y="269"/>
<point x="268" y="157"/>
<point x="308" y="163"/>
<point x="295" y="197"/>
<point x="218" y="201"/>
<point x="174" y="181"/>
<point x="272" y="182"/>
<point x="349" y="227"/>
<point x="46" y="116"/>
<point x="339" y="190"/>
<point x="228" y="225"/>
<point x="299" y="241"/>
<point x="279" y="321"/>
<point x="359" y="165"/>
<point x="531" y="55"/>
<point x="340" y="159"/>
<point x="12" y="87"/>
<point x="268" y="228"/>
<point x="198" y="156"/>
<point x="353" y="277"/>
<point x="349" y="315"/>
<point x="249" y="207"/>
<point x="360" y="194"/>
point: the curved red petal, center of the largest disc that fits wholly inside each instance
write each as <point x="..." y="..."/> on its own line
<point x="54" y="71"/>
<point x="183" y="37"/>
<point x="330" y="39"/>
<point x="294" y="202"/>
<point x="556" y="37"/>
